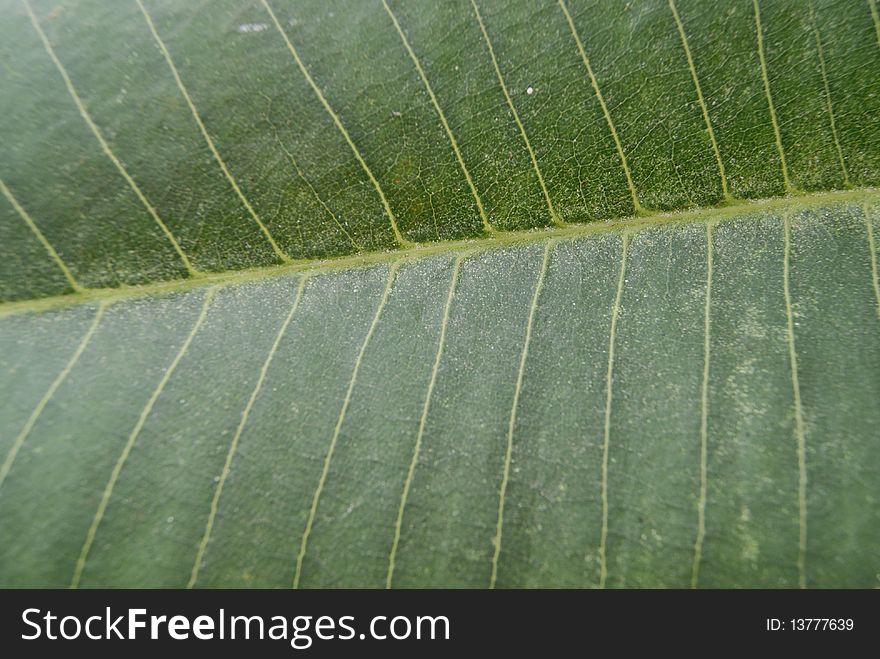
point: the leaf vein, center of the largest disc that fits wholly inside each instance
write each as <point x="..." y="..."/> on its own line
<point x="208" y="139"/>
<point x="77" y="288"/>
<point x="876" y="17"/>
<point x="828" y="105"/>
<point x="233" y="446"/>
<point x="473" y="188"/>
<point x="59" y="379"/>
<point x="873" y="249"/>
<point x="705" y="110"/>
<point x="609" y="387"/>
<point x="637" y="206"/>
<point x="132" y="438"/>
<point x="798" y="410"/>
<point x="304" y="543"/>
<point x="704" y="412"/>
<point x="554" y="216"/>
<point x="339" y="125"/>
<point x="441" y="341"/>
<point x="764" y="77"/>
<point x="105" y="147"/>
<point x="511" y="426"/>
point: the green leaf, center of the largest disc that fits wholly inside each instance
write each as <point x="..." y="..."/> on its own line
<point x="551" y="340"/>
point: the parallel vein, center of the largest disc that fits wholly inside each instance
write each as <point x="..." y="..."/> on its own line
<point x="773" y="120"/>
<point x="132" y="438"/>
<point x="407" y="485"/>
<point x="210" y="142"/>
<point x="828" y="104"/>
<point x="339" y="125"/>
<point x="233" y="446"/>
<point x="704" y="412"/>
<point x="39" y="234"/>
<point x="554" y="216"/>
<point x="876" y="17"/>
<point x="609" y="387"/>
<point x="511" y="426"/>
<point x="104" y="146"/>
<point x="690" y="60"/>
<point x="637" y="206"/>
<point x="59" y="379"/>
<point x="486" y="225"/>
<point x="798" y="411"/>
<point x="392" y="273"/>
<point x="873" y="248"/>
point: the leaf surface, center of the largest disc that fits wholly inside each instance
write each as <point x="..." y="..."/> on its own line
<point x="517" y="364"/>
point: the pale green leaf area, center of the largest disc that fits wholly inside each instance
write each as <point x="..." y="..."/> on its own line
<point x="362" y="449"/>
<point x="402" y="294"/>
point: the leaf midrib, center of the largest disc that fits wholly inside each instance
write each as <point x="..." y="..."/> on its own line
<point x="498" y="239"/>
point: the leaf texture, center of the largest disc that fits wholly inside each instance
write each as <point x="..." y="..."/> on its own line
<point x="522" y="416"/>
<point x="154" y="140"/>
<point x="483" y="294"/>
